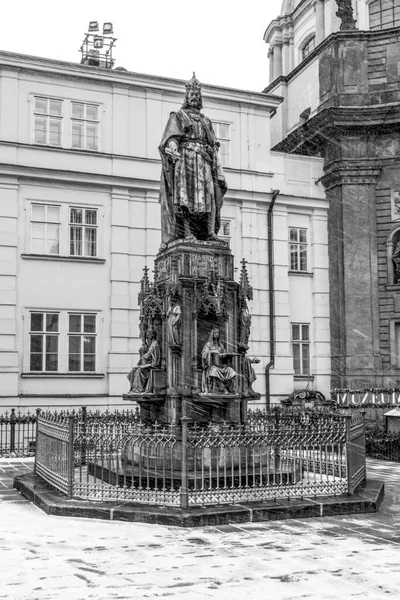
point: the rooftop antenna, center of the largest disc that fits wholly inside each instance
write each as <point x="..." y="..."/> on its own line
<point x="97" y="48"/>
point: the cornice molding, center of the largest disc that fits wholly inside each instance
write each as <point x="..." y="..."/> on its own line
<point x="342" y="175"/>
<point x="23" y="63"/>
<point x="312" y="137"/>
<point x="333" y="38"/>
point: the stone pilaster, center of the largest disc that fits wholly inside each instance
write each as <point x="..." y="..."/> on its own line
<point x="271" y="65"/>
<point x="320" y="297"/>
<point x="125" y="274"/>
<point x="319" y="21"/>
<point x="353" y="276"/>
<point x="277" y="59"/>
<point x="8" y="289"/>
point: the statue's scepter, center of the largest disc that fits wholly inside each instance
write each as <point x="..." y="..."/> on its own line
<point x="174" y="156"/>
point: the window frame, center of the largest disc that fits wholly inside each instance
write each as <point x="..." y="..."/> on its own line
<point x="48" y="116"/>
<point x="84" y="227"/>
<point x="44" y="333"/>
<point x="305" y="45"/>
<point x="299" y="246"/>
<point x="85" y="121"/>
<point x="301" y="343"/>
<point x="46" y="223"/>
<point x="216" y="126"/>
<point x="81" y="334"/>
<point x="67" y="120"/>
<point x="63" y="334"/>
<point x="221" y="233"/>
<point x="64" y="231"/>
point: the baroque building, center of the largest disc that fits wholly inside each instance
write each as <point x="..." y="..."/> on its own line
<point x="336" y="65"/>
<point x="80" y="220"/>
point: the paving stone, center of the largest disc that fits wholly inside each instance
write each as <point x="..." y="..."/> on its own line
<point x="352" y="557"/>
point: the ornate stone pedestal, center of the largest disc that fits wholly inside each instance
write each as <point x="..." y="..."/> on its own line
<point x="202" y="324"/>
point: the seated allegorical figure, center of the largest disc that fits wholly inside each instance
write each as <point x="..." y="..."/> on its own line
<point x="141" y="377"/>
<point x="218" y="376"/>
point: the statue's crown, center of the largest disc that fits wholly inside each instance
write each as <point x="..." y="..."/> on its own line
<point x="193" y="84"/>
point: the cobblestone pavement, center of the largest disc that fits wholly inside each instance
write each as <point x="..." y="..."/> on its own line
<point x="52" y="558"/>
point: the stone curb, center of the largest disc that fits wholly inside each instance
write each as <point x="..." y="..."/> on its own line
<point x="367" y="499"/>
<point x="16" y="460"/>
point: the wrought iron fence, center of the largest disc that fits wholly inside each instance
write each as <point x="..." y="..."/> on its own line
<point x="18" y="433"/>
<point x="382" y="445"/>
<point x="284" y="453"/>
<point x="18" y="429"/>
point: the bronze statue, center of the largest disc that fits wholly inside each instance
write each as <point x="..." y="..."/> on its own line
<point x="141" y="376"/>
<point x="218" y="375"/>
<point x="192" y="182"/>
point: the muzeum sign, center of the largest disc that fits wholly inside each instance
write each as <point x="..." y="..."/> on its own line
<point x="367" y="398"/>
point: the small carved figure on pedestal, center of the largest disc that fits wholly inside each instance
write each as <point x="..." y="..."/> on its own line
<point x="250" y="375"/>
<point x="245" y="324"/>
<point x="218" y="376"/>
<point x="396" y="260"/>
<point x="345" y="14"/>
<point x="174" y="324"/>
<point x="141" y="377"/>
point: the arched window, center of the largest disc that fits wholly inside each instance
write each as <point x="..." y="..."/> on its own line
<point x="308" y="47"/>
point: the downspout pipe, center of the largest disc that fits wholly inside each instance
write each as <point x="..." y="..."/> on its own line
<point x="271" y="294"/>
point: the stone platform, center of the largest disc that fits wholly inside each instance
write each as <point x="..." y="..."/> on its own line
<point x="367" y="499"/>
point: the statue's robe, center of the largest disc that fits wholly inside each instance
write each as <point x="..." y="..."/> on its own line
<point x="142" y="380"/>
<point x="195" y="182"/>
<point x="213" y="367"/>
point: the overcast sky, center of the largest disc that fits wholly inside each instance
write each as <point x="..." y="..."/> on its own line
<point x="222" y="40"/>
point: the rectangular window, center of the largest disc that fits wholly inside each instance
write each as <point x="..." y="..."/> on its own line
<point x="223" y="134"/>
<point x="85" y="126"/>
<point x="82" y="342"/>
<point x="48" y="114"/>
<point x="83" y="232"/>
<point x="225" y="230"/>
<point x="301" y="348"/>
<point x="45" y="229"/>
<point x="297" y="249"/>
<point x="43" y="341"/>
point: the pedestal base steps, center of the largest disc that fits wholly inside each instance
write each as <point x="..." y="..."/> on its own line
<point x="365" y="500"/>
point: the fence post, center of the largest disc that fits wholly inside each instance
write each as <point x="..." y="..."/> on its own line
<point x="12" y="430"/>
<point x="70" y="457"/>
<point x="83" y="435"/>
<point x="349" y="457"/>
<point x="36" y="439"/>
<point x="184" y="477"/>
<point x="363" y="412"/>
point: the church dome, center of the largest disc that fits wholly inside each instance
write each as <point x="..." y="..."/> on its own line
<point x="288" y="7"/>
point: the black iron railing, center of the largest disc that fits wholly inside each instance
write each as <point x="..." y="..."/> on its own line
<point x="18" y="429"/>
<point x="18" y="433"/>
<point x="283" y="453"/>
<point x="382" y="445"/>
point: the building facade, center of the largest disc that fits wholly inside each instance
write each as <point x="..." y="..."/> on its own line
<point x="80" y="219"/>
<point x="349" y="114"/>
